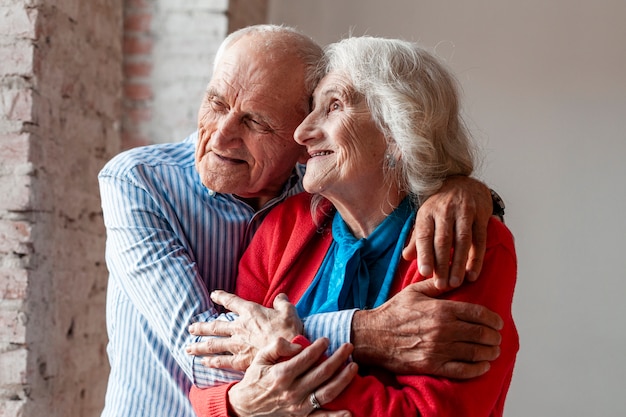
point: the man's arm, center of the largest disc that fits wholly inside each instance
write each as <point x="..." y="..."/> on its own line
<point x="149" y="263"/>
<point x="448" y="327"/>
<point x="413" y="333"/>
<point x="456" y="218"/>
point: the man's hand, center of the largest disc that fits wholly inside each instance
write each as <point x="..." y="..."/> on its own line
<point x="255" y="328"/>
<point x="282" y="377"/>
<point x="455" y="217"/>
<point x="415" y="334"/>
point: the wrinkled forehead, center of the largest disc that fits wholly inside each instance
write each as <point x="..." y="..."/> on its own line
<point x="268" y="85"/>
<point x="337" y="83"/>
<point x="262" y="72"/>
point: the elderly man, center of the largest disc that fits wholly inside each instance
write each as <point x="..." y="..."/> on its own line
<point x="179" y="216"/>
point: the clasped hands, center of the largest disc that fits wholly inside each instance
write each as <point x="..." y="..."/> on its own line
<point x="412" y="333"/>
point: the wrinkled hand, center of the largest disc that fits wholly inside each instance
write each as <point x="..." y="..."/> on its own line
<point x="456" y="216"/>
<point x="282" y="377"/>
<point x="413" y="333"/>
<point x="255" y="328"/>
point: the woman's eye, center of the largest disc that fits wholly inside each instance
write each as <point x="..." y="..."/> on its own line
<point x="334" y="105"/>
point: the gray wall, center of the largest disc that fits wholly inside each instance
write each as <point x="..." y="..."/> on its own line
<point x="545" y="92"/>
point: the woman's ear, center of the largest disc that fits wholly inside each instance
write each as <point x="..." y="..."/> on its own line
<point x="393" y="153"/>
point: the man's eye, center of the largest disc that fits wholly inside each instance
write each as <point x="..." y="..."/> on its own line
<point x="258" y="126"/>
<point x="216" y="104"/>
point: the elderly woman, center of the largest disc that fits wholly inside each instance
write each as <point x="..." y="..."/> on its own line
<point x="383" y="133"/>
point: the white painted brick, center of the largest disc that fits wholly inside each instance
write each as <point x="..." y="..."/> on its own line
<point x="18" y="21"/>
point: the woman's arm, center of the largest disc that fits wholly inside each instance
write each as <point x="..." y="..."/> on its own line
<point x="382" y="393"/>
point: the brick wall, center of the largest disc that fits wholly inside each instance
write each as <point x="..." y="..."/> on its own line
<point x="168" y="51"/>
<point x="62" y="97"/>
<point x="169" y="48"/>
<point x="60" y="90"/>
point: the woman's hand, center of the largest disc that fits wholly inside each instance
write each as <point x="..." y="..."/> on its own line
<point x="255" y="328"/>
<point x="455" y="217"/>
<point x="283" y="376"/>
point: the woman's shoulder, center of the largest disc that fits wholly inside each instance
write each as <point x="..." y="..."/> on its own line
<point x="498" y="234"/>
<point x="299" y="208"/>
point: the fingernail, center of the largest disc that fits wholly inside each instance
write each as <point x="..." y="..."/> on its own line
<point x="192" y="328"/>
<point x="455" y="281"/>
<point x="472" y="276"/>
<point x="426" y="271"/>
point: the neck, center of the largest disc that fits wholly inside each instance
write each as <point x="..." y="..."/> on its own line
<point x="257" y="203"/>
<point x="363" y="215"/>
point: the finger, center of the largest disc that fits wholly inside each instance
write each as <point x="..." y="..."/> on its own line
<point x="233" y="303"/>
<point x="444" y="232"/>
<point x="326" y="369"/>
<point x="335" y="386"/>
<point x="462" y="245"/>
<point x="462" y="370"/>
<point x="477" y="314"/>
<point x="410" y="250"/>
<point x="324" y="413"/>
<point x="424" y="237"/>
<point x="477" y="252"/>
<point x="225" y="362"/>
<point x="460" y="352"/>
<point x="278" y="351"/>
<point x="428" y="287"/>
<point x="305" y="359"/>
<point x="214" y="345"/>
<point x="281" y="303"/>
<point x="211" y="328"/>
<point x="477" y="333"/>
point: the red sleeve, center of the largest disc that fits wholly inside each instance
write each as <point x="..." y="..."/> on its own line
<point x="210" y="402"/>
<point x="383" y="394"/>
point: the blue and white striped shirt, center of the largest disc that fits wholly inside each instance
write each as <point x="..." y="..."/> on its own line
<point x="170" y="241"/>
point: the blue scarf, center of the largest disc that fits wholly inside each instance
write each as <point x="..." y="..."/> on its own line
<point x="358" y="273"/>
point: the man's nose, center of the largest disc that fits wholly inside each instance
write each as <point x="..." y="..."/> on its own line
<point x="228" y="130"/>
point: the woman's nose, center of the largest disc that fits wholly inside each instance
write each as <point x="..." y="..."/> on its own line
<point x="306" y="130"/>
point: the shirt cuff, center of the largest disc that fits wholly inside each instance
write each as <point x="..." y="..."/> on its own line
<point x="336" y="325"/>
<point x="205" y="377"/>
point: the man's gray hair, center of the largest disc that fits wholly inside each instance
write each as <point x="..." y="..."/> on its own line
<point x="290" y="39"/>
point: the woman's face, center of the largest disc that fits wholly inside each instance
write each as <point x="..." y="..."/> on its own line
<point x="346" y="148"/>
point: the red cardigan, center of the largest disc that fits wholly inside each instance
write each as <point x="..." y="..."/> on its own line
<point x="284" y="257"/>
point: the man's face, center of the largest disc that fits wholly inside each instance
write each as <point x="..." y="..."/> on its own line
<point x="246" y="122"/>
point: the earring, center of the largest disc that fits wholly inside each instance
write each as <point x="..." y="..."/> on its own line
<point x="391" y="161"/>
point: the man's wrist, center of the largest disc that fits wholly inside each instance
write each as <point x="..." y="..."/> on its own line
<point x="365" y="346"/>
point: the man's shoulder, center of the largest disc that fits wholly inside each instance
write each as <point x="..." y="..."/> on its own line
<point x="177" y="154"/>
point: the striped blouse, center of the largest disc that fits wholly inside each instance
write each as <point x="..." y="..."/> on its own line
<point x="170" y="241"/>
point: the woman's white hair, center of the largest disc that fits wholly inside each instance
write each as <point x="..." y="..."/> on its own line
<point x="414" y="101"/>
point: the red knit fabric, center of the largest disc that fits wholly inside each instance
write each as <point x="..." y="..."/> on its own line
<point x="284" y="257"/>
